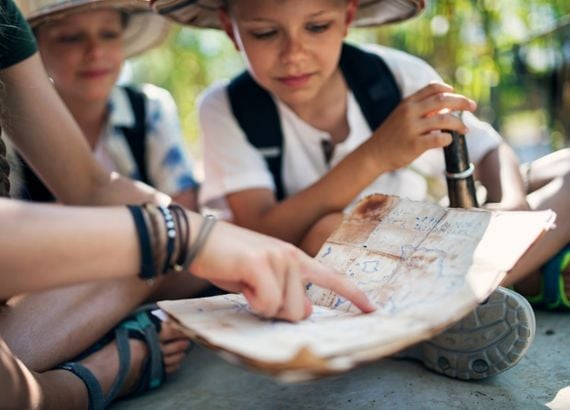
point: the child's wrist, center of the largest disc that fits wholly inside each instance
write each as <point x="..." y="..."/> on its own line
<point x="377" y="163"/>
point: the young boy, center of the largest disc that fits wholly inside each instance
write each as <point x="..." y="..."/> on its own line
<point x="132" y="130"/>
<point x="331" y="155"/>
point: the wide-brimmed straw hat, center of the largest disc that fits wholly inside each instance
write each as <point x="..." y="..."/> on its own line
<point x="145" y="29"/>
<point x="203" y="13"/>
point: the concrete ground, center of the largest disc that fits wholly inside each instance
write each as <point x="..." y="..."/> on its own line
<point x="540" y="380"/>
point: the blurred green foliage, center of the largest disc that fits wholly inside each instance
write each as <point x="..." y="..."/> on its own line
<point x="512" y="56"/>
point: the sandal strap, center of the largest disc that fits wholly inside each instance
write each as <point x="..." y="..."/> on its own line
<point x="156" y="370"/>
<point x="96" y="397"/>
<point x="124" y="355"/>
<point x="141" y="325"/>
<point x="144" y="328"/>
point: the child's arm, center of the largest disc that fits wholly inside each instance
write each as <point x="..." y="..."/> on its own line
<point x="414" y="127"/>
<point x="499" y="172"/>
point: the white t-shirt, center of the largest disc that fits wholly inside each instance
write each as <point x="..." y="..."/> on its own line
<point x="232" y="164"/>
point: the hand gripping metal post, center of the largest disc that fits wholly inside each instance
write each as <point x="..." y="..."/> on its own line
<point x="459" y="172"/>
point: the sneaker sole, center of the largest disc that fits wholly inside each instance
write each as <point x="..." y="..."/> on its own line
<point x="489" y="340"/>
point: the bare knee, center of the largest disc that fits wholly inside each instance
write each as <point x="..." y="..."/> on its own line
<point x="546" y="169"/>
<point x="553" y="195"/>
<point x="18" y="387"/>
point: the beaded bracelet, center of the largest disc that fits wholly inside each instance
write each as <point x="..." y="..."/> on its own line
<point x="170" y="236"/>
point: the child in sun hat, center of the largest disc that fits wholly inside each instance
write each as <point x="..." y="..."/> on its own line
<point x="133" y="130"/>
<point x="315" y="123"/>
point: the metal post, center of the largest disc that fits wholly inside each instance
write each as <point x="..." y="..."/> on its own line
<point x="459" y="173"/>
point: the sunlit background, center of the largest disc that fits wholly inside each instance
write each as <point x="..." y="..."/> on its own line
<point x="511" y="56"/>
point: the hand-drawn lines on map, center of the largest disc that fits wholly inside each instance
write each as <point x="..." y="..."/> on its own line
<point x="327" y="252"/>
<point x="370" y="266"/>
<point x="404" y="289"/>
<point x="238" y="306"/>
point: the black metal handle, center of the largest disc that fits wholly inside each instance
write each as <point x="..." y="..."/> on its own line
<point x="459" y="173"/>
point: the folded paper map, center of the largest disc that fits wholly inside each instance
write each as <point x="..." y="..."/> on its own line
<point x="424" y="266"/>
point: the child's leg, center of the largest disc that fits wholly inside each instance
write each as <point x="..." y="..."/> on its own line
<point x="179" y="285"/>
<point x="554" y="195"/>
<point x="540" y="172"/>
<point x="39" y="327"/>
<point x="47" y="328"/>
<point x="22" y="388"/>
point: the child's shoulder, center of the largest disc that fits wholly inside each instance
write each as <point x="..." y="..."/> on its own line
<point x="213" y="96"/>
<point x="411" y="72"/>
<point x="155" y="93"/>
<point x="394" y="57"/>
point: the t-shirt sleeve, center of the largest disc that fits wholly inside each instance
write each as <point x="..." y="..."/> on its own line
<point x="410" y="72"/>
<point x="169" y="164"/>
<point x="231" y="163"/>
<point x="16" y="39"/>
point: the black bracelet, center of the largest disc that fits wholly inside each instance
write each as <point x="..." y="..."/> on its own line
<point x="147" y="261"/>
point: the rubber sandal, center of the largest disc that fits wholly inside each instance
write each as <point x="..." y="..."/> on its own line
<point x="490" y="340"/>
<point x="145" y="326"/>
<point x="552" y="293"/>
<point x="141" y="325"/>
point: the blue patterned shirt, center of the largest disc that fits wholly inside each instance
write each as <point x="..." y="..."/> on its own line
<point x="169" y="165"/>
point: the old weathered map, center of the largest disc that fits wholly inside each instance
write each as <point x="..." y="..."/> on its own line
<point x="423" y="266"/>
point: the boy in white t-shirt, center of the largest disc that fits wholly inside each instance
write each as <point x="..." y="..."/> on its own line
<point x="330" y="155"/>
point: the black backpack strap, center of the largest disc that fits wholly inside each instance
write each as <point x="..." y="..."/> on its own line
<point x="366" y="74"/>
<point x="136" y="136"/>
<point x="372" y="83"/>
<point x="33" y="188"/>
<point x="257" y="116"/>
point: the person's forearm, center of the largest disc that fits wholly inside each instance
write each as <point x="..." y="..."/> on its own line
<point x="290" y="219"/>
<point x="44" y="246"/>
<point x="113" y="189"/>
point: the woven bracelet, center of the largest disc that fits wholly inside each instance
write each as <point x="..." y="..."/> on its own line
<point x="184" y="236"/>
<point x="155" y="235"/>
<point x="147" y="261"/>
<point x="207" y="224"/>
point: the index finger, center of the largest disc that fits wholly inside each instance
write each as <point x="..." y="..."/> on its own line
<point x="327" y="278"/>
<point x="429" y="90"/>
